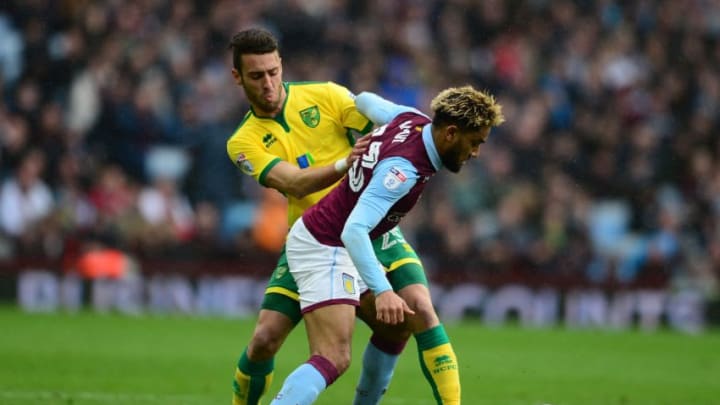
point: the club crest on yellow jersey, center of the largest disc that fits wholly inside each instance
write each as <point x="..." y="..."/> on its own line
<point x="311" y="116"/>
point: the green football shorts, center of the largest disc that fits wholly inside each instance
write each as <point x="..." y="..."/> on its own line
<point x="401" y="263"/>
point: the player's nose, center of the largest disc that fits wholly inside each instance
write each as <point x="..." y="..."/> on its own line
<point x="267" y="82"/>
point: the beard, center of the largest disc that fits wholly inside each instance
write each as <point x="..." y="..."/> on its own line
<point x="259" y="102"/>
<point x="451" y="160"/>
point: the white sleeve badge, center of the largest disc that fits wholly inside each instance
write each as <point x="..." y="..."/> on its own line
<point x="394" y="178"/>
<point x="244" y="164"/>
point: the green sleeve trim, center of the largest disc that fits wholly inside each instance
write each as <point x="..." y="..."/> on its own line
<point x="367" y="128"/>
<point x="350" y="137"/>
<point x="266" y="170"/>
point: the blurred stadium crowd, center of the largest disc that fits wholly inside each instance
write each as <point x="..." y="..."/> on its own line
<point x="115" y="114"/>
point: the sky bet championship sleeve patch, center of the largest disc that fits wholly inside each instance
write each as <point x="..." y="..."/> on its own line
<point x="244" y="164"/>
<point x="394" y="178"/>
<point x="305" y="160"/>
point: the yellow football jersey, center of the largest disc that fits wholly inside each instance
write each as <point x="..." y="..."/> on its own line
<point x="313" y="129"/>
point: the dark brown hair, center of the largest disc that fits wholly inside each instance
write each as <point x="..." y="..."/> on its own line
<point x="255" y="41"/>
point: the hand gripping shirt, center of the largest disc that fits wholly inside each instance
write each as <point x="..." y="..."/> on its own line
<point x="312" y="129"/>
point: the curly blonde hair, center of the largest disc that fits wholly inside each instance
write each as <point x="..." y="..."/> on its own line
<point x="467" y="108"/>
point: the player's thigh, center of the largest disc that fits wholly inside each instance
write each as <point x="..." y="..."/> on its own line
<point x="281" y="293"/>
<point x="393" y="333"/>
<point x="329" y="330"/>
<point x="271" y="330"/>
<point x="272" y="327"/>
<point x="279" y="314"/>
<point x="418" y="298"/>
<point x="401" y="262"/>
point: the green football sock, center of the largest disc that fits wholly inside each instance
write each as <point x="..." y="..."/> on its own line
<point x="252" y="380"/>
<point x="439" y="364"/>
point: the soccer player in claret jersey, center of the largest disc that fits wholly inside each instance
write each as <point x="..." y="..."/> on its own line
<point x="329" y="249"/>
<point x="296" y="140"/>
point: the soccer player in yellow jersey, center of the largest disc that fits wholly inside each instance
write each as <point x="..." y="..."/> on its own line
<point x="311" y="131"/>
<point x="297" y="138"/>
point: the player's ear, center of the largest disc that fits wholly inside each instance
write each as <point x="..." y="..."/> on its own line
<point x="237" y="76"/>
<point x="451" y="132"/>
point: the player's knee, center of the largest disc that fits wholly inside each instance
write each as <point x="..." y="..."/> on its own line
<point x="339" y="357"/>
<point x="342" y="359"/>
<point x="425" y="316"/>
<point x="264" y="344"/>
<point x="417" y="296"/>
<point x="343" y="363"/>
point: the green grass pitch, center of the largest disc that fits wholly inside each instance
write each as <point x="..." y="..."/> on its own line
<point x="86" y="358"/>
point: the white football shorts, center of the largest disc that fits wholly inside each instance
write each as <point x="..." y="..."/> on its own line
<point x="325" y="275"/>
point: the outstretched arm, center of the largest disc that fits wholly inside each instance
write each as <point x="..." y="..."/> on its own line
<point x="291" y="180"/>
<point x="379" y="110"/>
